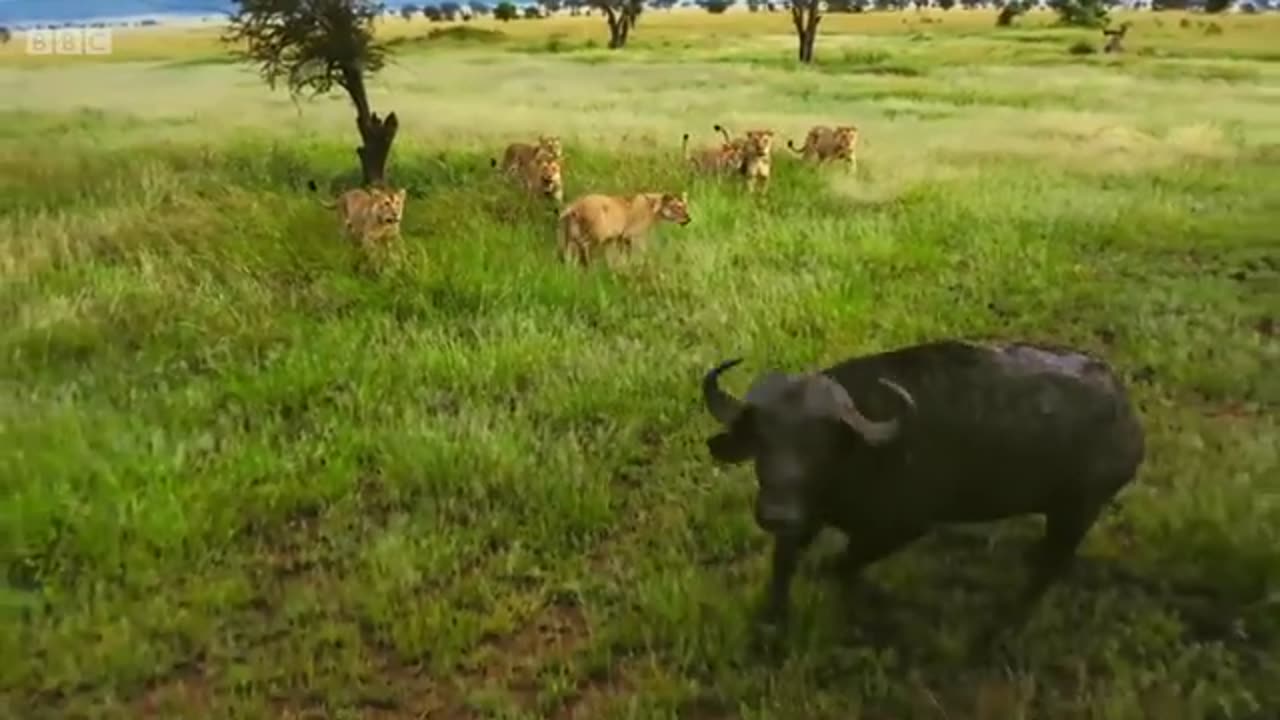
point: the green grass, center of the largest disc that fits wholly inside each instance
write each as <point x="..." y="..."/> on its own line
<point x="243" y="478"/>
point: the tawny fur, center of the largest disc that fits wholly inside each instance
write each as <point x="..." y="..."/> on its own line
<point x="722" y="158"/>
<point x="519" y="155"/>
<point x="370" y="216"/>
<point x="756" y="150"/>
<point x="594" y="221"/>
<point x="542" y="176"/>
<point x="825" y="144"/>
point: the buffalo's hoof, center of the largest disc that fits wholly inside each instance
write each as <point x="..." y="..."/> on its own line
<point x="768" y="639"/>
<point x="994" y="645"/>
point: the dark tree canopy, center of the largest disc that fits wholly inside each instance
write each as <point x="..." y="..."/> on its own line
<point x="312" y="46"/>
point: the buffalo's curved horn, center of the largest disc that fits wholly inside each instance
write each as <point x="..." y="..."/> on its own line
<point x="873" y="432"/>
<point x="722" y="406"/>
<point x="901" y="391"/>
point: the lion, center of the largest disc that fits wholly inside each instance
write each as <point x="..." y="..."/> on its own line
<point x="519" y="155"/>
<point x="542" y="175"/>
<point x="369" y="215"/>
<point x="594" y="221"/>
<point x="756" y="150"/>
<point x="825" y="143"/>
<point x="719" y="159"/>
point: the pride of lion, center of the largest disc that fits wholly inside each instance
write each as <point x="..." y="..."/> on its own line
<point x="594" y="223"/>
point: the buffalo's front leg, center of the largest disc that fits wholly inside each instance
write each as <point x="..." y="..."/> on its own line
<point x="787" y="550"/>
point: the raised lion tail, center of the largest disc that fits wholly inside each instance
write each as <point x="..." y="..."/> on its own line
<point x="493" y="162"/>
<point x="793" y="147"/>
<point x="313" y="187"/>
<point x="720" y="129"/>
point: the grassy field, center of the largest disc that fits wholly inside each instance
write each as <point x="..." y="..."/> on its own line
<point x="242" y="478"/>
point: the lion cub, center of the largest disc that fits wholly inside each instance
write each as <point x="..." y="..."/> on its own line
<point x="756" y="149"/>
<point x="722" y="158"/>
<point x="538" y="167"/>
<point x="592" y="222"/>
<point x="519" y="155"/>
<point x="826" y="143"/>
<point x="370" y="215"/>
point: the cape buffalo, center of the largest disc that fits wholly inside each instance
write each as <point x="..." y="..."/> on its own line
<point x="966" y="432"/>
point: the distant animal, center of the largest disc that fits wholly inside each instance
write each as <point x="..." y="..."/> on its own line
<point x="756" y="150"/>
<point x="724" y="158"/>
<point x="518" y="155"/>
<point x="592" y="222"/>
<point x="369" y="215"/>
<point x="824" y="144"/>
<point x="964" y="433"/>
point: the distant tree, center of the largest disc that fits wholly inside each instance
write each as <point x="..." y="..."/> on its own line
<point x="716" y="7"/>
<point x="5" y="35"/>
<point x="312" y="46"/>
<point x="408" y="11"/>
<point x="432" y="13"/>
<point x="551" y="6"/>
<point x="451" y="11"/>
<point x="1216" y="6"/>
<point x="479" y="8"/>
<point x="753" y="5"/>
<point x="531" y="12"/>
<point x="1012" y="10"/>
<point x="506" y="12"/>
<point x="805" y="16"/>
<point x="946" y="4"/>
<point x="622" y="16"/>
<point x="1080" y="13"/>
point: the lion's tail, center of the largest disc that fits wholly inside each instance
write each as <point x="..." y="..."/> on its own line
<point x="720" y="129"/>
<point x="311" y="185"/>
<point x="684" y="146"/>
<point x="799" y="150"/>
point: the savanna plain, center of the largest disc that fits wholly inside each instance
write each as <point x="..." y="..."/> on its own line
<point x="243" y="477"/>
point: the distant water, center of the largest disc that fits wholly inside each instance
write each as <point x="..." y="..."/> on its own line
<point x="19" y="12"/>
<point x="26" y="12"/>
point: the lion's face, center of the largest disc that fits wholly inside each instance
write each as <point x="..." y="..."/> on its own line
<point x="549" y="180"/>
<point x="550" y="144"/>
<point x="675" y="208"/>
<point x="388" y="207"/>
<point x="846" y="137"/>
<point x="760" y="142"/>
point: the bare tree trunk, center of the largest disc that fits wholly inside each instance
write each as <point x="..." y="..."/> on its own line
<point x="619" y="27"/>
<point x="376" y="134"/>
<point x="805" y="16"/>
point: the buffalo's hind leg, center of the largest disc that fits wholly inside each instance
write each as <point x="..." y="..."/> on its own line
<point x="1049" y="560"/>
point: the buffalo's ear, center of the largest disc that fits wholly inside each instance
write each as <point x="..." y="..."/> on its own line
<point x="730" y="447"/>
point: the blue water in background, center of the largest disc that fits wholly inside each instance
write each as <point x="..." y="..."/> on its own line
<point x="19" y="12"/>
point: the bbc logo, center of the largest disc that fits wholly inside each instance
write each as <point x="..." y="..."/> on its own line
<point x="69" y="41"/>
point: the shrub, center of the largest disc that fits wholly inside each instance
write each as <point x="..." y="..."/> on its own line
<point x="1082" y="47"/>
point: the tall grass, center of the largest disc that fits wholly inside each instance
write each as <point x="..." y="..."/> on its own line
<point x="244" y="477"/>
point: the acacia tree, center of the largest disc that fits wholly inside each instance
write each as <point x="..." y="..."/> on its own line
<point x="805" y="16"/>
<point x="313" y="45"/>
<point x="621" y="16"/>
